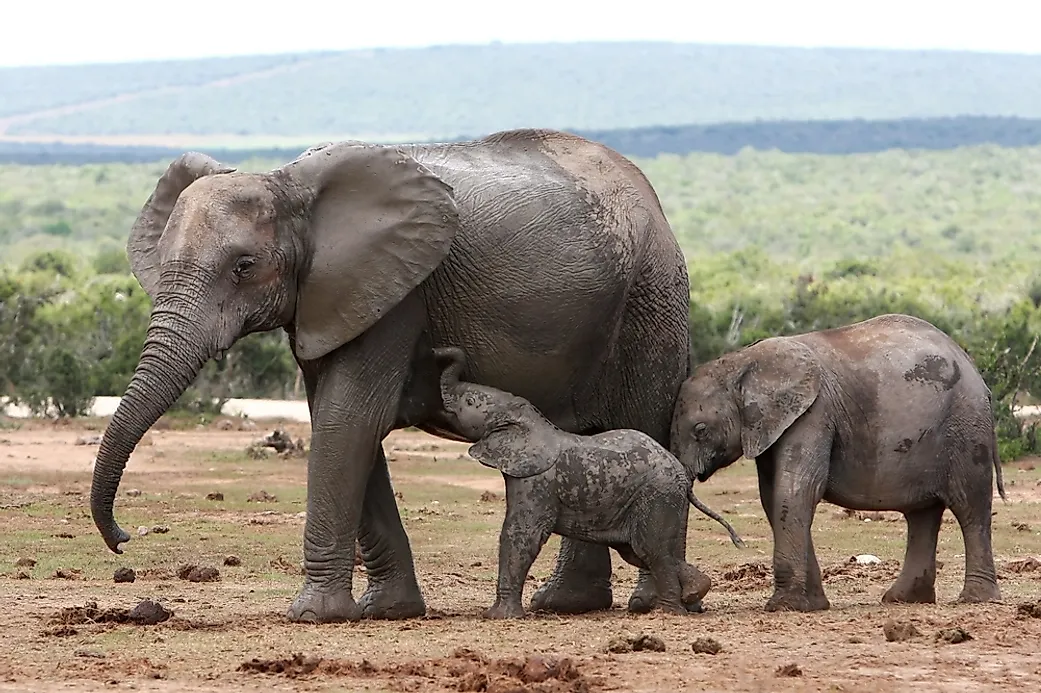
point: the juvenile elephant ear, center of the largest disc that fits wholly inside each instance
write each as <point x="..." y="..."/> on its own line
<point x="778" y="386"/>
<point x="515" y="452"/>
<point x="380" y="223"/>
<point x="151" y="222"/>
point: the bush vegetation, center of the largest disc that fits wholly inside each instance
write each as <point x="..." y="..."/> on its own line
<point x="776" y="244"/>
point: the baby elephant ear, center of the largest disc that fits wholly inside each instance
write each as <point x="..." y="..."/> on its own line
<point x="515" y="453"/>
<point x="779" y="385"/>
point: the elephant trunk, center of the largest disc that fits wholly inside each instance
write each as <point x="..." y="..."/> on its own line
<point x="451" y="372"/>
<point x="172" y="356"/>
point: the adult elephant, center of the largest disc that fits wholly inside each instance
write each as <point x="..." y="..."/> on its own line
<point x="546" y="255"/>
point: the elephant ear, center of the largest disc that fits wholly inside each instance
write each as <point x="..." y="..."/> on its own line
<point x="380" y="223"/>
<point x="777" y="387"/>
<point x="142" y="246"/>
<point x="515" y="452"/>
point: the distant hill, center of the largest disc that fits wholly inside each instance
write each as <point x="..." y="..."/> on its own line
<point x="803" y="137"/>
<point x="445" y="92"/>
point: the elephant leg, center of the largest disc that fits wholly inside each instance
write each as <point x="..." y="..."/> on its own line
<point x="354" y="393"/>
<point x="798" y="485"/>
<point x="524" y="532"/>
<point x="392" y="591"/>
<point x="581" y="580"/>
<point x="973" y="515"/>
<point x="917" y="579"/>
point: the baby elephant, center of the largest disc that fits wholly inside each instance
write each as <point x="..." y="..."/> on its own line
<point x="884" y="414"/>
<point x="619" y="488"/>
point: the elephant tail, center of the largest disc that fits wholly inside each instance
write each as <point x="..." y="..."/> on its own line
<point x="997" y="468"/>
<point x="696" y="502"/>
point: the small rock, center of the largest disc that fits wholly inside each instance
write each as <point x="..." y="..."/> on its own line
<point x="476" y="564"/>
<point x="262" y="497"/>
<point x="706" y="646"/>
<point x="489" y="496"/>
<point x="149" y="613"/>
<point x="143" y="531"/>
<point x="867" y="559"/>
<point x="899" y="632"/>
<point x="25" y="563"/>
<point x="225" y="425"/>
<point x="1021" y="526"/>
<point x="88" y="440"/>
<point x="67" y="573"/>
<point x="124" y="575"/>
<point x="953" y="635"/>
<point x="215" y="496"/>
<point x="232" y="560"/>
<point x="133" y="492"/>
<point x="247" y="425"/>
<point x="789" y="670"/>
<point x="160" y="529"/>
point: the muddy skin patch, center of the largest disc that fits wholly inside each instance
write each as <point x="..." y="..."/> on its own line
<point x="931" y="370"/>
<point x="904" y="445"/>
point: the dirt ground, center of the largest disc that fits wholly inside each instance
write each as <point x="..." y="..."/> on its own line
<point x="67" y="624"/>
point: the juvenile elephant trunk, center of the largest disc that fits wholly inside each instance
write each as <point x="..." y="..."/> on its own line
<point x="170" y="361"/>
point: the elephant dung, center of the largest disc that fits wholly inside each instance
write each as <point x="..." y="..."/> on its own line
<point x="953" y="636"/>
<point x="706" y="646"/>
<point x="149" y="613"/>
<point x="790" y="670"/>
<point x="896" y="631"/>
<point x="1029" y="610"/>
<point x="639" y="643"/>
<point x="195" y="573"/>
<point x="124" y="575"/>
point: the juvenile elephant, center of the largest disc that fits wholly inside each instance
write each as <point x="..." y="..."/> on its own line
<point x="884" y="414"/>
<point x="619" y="488"/>
<point x="549" y="255"/>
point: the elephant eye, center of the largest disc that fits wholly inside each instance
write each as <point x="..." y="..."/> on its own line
<point x="243" y="266"/>
<point x="471" y="400"/>
<point x="699" y="429"/>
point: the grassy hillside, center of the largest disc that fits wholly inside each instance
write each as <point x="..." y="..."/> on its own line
<point x="465" y="90"/>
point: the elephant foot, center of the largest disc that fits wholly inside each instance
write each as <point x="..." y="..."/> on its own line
<point x="918" y="590"/>
<point x="694" y="584"/>
<point x="565" y="597"/>
<point x="797" y="601"/>
<point x="644" y="604"/>
<point x="980" y="592"/>
<point x="645" y="596"/>
<point x="504" y="610"/>
<point x="314" y="605"/>
<point x="392" y="600"/>
<point x="674" y="607"/>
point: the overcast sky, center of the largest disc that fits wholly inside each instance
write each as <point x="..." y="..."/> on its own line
<point x="42" y="32"/>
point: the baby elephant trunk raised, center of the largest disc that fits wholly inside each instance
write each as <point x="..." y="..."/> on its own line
<point x="696" y="502"/>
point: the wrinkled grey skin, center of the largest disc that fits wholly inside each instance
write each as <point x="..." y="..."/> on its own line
<point x="884" y="414"/>
<point x="619" y="488"/>
<point x="546" y="253"/>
